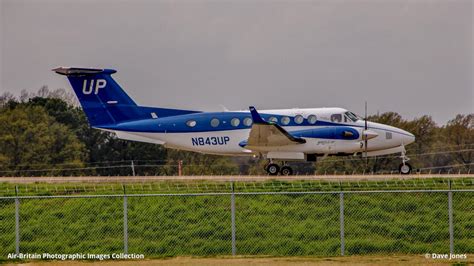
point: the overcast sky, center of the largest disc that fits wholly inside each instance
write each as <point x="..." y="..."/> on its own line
<point x="411" y="57"/>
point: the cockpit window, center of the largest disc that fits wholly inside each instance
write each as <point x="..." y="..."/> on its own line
<point x="352" y="116"/>
<point x="336" y="118"/>
<point x="346" y="119"/>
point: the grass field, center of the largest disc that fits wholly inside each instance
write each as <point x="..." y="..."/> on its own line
<point x="268" y="225"/>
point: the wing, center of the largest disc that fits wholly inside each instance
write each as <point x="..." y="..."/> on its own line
<point x="265" y="133"/>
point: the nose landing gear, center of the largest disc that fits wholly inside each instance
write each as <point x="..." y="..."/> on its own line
<point x="404" y="168"/>
<point x="274" y="169"/>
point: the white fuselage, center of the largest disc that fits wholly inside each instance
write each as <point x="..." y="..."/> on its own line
<point x="388" y="139"/>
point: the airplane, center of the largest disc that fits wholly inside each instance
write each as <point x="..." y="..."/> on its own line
<point x="279" y="136"/>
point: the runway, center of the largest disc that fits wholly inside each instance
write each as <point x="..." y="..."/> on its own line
<point x="134" y="179"/>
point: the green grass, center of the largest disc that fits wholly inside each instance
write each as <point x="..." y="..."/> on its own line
<point x="277" y="225"/>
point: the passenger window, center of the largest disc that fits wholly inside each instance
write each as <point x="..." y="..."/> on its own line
<point x="215" y="122"/>
<point x="191" y="123"/>
<point x="235" y="122"/>
<point x="248" y="121"/>
<point x="336" y="118"/>
<point x="299" y="119"/>
<point x="285" y="120"/>
<point x="312" y="119"/>
<point x="273" y="119"/>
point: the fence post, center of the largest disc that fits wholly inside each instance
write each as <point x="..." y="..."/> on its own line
<point x="341" y="221"/>
<point x="180" y="167"/>
<point x="17" y="222"/>
<point x="450" y="214"/>
<point x="125" y="221"/>
<point x="133" y="168"/>
<point x="232" y="217"/>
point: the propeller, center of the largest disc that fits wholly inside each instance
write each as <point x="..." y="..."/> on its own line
<point x="365" y="137"/>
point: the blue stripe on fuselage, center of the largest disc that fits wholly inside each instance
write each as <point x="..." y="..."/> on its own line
<point x="177" y="124"/>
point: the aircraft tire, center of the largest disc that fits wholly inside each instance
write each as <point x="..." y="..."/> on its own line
<point x="273" y="169"/>
<point x="405" y="169"/>
<point x="286" y="170"/>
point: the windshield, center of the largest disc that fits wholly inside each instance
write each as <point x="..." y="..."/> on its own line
<point x="352" y="116"/>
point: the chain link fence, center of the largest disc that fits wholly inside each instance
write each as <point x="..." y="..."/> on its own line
<point x="180" y="167"/>
<point x="283" y="223"/>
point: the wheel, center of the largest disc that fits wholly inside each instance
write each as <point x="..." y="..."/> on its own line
<point x="273" y="169"/>
<point x="405" y="169"/>
<point x="286" y="170"/>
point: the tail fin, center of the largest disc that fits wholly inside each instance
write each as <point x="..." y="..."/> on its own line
<point x="104" y="101"/>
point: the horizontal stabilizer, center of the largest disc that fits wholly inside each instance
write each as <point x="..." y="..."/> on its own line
<point x="78" y="71"/>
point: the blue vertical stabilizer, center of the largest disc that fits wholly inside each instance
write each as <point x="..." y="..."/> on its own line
<point x="104" y="101"/>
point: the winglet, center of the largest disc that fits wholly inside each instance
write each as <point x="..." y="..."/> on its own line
<point x="257" y="119"/>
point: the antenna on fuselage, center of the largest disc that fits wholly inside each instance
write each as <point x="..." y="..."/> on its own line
<point x="223" y="108"/>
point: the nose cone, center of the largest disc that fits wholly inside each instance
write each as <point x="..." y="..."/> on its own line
<point x="400" y="136"/>
<point x="407" y="137"/>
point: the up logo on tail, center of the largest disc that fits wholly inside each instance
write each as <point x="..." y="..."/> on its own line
<point x="99" y="84"/>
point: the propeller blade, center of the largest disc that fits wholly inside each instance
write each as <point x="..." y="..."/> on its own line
<point x="366" y="138"/>
<point x="365" y="118"/>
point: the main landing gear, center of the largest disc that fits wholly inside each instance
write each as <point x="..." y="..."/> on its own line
<point x="404" y="168"/>
<point x="274" y="169"/>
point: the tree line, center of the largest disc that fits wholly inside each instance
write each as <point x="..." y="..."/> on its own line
<point x="46" y="133"/>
